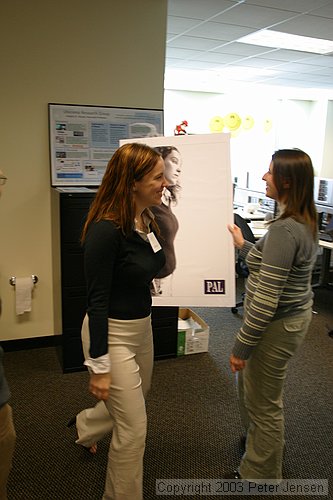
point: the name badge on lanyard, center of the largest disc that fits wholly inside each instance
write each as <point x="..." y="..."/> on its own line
<point x="153" y="242"/>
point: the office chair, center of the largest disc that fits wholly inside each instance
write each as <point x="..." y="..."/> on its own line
<point x="241" y="267"/>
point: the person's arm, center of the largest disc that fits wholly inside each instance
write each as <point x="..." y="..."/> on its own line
<point x="240" y="243"/>
<point x="243" y="247"/>
<point x="99" y="385"/>
<point x="277" y="260"/>
<point x="100" y="253"/>
<point x="236" y="364"/>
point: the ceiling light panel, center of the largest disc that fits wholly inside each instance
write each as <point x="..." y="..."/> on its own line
<point x="277" y="39"/>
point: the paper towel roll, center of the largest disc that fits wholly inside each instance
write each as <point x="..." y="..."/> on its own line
<point x="23" y="290"/>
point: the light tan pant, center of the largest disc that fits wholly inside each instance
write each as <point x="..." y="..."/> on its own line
<point x="7" y="445"/>
<point x="131" y="355"/>
<point x="260" y="388"/>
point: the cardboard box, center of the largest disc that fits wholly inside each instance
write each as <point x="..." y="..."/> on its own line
<point x="192" y="340"/>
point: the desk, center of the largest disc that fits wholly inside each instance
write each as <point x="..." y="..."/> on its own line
<point x="324" y="277"/>
<point x="258" y="229"/>
<point x="249" y="216"/>
<point x="327" y="247"/>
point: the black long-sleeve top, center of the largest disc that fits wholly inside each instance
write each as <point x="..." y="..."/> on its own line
<point x="118" y="273"/>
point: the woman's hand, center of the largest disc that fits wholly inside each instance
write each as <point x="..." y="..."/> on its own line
<point x="237" y="235"/>
<point x="99" y="385"/>
<point x="236" y="364"/>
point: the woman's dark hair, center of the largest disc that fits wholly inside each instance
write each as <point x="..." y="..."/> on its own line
<point x="174" y="189"/>
<point x="293" y="177"/>
<point x="114" y="198"/>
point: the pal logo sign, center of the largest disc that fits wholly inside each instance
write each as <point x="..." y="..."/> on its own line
<point x="214" y="287"/>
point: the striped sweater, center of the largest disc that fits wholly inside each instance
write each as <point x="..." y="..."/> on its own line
<point x="279" y="284"/>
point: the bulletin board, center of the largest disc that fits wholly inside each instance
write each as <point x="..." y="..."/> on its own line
<point x="83" y="139"/>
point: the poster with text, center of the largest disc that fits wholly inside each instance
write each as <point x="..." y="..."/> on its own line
<point x="83" y="139"/>
<point x="196" y="208"/>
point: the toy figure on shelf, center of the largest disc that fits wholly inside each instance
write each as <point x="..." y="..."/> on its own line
<point x="181" y="129"/>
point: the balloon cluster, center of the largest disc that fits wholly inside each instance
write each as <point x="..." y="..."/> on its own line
<point x="232" y="122"/>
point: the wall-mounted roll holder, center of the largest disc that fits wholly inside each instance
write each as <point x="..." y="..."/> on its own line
<point x="12" y="280"/>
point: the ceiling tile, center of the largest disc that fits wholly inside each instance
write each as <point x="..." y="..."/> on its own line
<point x="324" y="72"/>
<point x="198" y="9"/>
<point x="295" y="5"/>
<point x="220" y="31"/>
<point x="253" y="16"/>
<point x="256" y="62"/>
<point x="191" y="42"/>
<point x="312" y="26"/>
<point x="243" y="49"/>
<point x="218" y="58"/>
<point x="325" y="61"/>
<point x="201" y="65"/>
<point x="306" y="68"/>
<point x="203" y="34"/>
<point x="189" y="64"/>
<point x="326" y="11"/>
<point x="176" y="53"/>
<point x="285" y="55"/>
<point x="177" y="25"/>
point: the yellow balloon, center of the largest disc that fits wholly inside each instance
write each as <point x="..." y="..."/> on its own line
<point x="216" y="124"/>
<point x="232" y="121"/>
<point x="248" y="122"/>
<point x="267" y="125"/>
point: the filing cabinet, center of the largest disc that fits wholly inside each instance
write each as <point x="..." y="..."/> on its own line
<point x="73" y="208"/>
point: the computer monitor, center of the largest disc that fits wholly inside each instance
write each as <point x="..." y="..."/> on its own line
<point x="323" y="191"/>
<point x="329" y="226"/>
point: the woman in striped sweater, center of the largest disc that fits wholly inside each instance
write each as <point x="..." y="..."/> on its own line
<point x="277" y="311"/>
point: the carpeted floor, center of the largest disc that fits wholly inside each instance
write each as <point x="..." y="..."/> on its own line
<point x="194" y="427"/>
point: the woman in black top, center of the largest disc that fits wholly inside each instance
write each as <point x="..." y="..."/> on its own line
<point x="166" y="219"/>
<point x="122" y="256"/>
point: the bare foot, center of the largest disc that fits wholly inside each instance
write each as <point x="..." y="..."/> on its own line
<point x="90" y="449"/>
<point x="93" y="449"/>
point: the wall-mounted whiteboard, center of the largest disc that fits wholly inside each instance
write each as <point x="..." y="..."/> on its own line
<point x="83" y="139"/>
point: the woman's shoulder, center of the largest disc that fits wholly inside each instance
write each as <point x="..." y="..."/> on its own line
<point x="160" y="209"/>
<point x="103" y="238"/>
<point x="103" y="225"/>
<point x="103" y="229"/>
<point x="288" y="224"/>
<point x="292" y="229"/>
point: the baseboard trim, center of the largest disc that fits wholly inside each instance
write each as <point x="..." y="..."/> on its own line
<point x="31" y="343"/>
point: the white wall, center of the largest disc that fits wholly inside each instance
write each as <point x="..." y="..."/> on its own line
<point x="327" y="166"/>
<point x="72" y="52"/>
<point x="294" y="123"/>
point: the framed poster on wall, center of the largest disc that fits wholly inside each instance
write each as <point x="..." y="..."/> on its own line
<point x="83" y="139"/>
